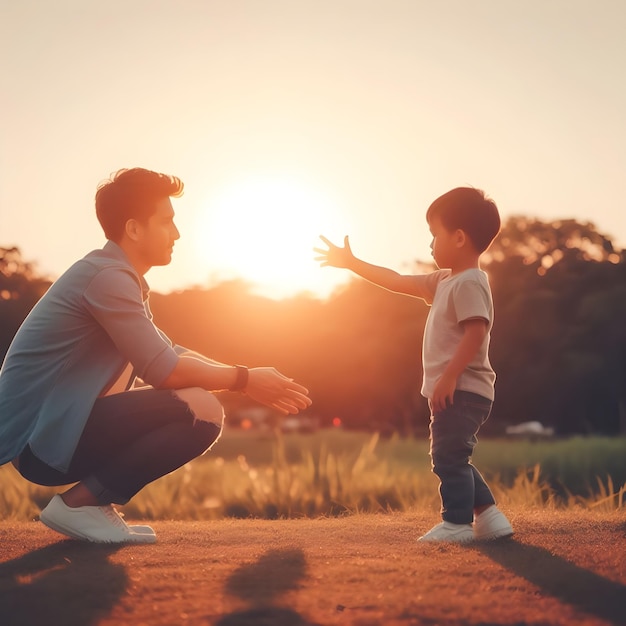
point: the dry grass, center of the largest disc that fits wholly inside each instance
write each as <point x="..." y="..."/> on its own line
<point x="562" y="567"/>
<point x="333" y="473"/>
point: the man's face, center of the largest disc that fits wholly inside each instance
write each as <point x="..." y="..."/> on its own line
<point x="157" y="236"/>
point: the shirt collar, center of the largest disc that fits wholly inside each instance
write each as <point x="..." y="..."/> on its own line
<point x="115" y="251"/>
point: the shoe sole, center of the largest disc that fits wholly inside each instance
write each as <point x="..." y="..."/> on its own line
<point x="142" y="530"/>
<point x="447" y="540"/>
<point x="497" y="534"/>
<point x="143" y="537"/>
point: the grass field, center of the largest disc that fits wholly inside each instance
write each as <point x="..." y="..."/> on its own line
<point x="333" y="472"/>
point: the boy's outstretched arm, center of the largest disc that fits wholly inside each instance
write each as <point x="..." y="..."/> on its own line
<point x="474" y="331"/>
<point x="336" y="256"/>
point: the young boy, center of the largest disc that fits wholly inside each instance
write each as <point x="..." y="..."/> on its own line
<point x="458" y="377"/>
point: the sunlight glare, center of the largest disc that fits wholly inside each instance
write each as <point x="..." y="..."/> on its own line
<point x="263" y="230"/>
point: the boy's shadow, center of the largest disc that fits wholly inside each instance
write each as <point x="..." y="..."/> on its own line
<point x="561" y="579"/>
<point x="69" y="583"/>
<point x="261" y="583"/>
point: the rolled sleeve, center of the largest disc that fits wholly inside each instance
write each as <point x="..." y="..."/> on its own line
<point x="114" y="298"/>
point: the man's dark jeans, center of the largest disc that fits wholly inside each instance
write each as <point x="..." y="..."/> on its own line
<point x="130" y="440"/>
<point x="452" y="440"/>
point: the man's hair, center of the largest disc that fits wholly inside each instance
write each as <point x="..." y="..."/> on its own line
<point x="469" y="210"/>
<point x="132" y="194"/>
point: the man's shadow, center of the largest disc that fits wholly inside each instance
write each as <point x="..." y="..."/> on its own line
<point x="260" y="584"/>
<point x="561" y="579"/>
<point x="69" y="582"/>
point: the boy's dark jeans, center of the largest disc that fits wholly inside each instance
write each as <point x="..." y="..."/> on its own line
<point x="130" y="440"/>
<point x="452" y="440"/>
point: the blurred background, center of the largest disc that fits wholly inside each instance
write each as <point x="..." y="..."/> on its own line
<point x="290" y="119"/>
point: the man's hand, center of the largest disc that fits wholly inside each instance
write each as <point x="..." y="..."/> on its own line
<point x="334" y="256"/>
<point x="443" y="393"/>
<point x="269" y="387"/>
<point x="265" y="384"/>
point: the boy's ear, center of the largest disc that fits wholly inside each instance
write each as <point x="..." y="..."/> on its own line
<point x="463" y="239"/>
<point x="460" y="238"/>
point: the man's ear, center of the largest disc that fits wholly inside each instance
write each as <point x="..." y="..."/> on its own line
<point x="132" y="229"/>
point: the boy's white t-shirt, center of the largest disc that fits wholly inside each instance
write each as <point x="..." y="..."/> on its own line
<point x="455" y="299"/>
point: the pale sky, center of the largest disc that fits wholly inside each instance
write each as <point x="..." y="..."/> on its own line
<point x="290" y="118"/>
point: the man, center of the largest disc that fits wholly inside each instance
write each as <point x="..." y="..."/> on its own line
<point x="68" y="413"/>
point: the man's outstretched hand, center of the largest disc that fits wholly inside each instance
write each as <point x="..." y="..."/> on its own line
<point x="334" y="256"/>
<point x="269" y="387"/>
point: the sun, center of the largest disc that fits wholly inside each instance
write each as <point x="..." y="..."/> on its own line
<point x="263" y="230"/>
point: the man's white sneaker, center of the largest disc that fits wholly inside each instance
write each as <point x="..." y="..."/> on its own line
<point x="452" y="533"/>
<point x="492" y="524"/>
<point x="100" y="524"/>
<point x="139" y="528"/>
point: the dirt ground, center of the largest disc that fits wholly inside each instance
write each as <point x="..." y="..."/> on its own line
<point x="560" y="568"/>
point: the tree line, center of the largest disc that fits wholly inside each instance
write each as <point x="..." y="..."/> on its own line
<point x="558" y="342"/>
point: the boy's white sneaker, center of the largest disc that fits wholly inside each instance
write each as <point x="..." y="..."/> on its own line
<point x="452" y="533"/>
<point x="99" y="524"/>
<point x="492" y="524"/>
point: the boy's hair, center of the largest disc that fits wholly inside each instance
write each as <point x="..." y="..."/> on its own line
<point x="470" y="210"/>
<point x="132" y="194"/>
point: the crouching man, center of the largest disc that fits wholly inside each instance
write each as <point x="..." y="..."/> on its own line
<point x="68" y="412"/>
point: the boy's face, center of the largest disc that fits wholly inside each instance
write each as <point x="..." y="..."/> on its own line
<point x="444" y="245"/>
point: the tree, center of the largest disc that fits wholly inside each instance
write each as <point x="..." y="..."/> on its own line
<point x="559" y="339"/>
<point x="20" y="288"/>
<point x="547" y="243"/>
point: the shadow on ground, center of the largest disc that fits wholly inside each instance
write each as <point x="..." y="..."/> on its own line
<point x="561" y="579"/>
<point x="69" y="583"/>
<point x="260" y="585"/>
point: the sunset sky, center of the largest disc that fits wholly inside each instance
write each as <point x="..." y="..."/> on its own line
<point x="290" y="118"/>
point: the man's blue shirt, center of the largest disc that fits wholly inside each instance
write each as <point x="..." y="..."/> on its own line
<point x="82" y="334"/>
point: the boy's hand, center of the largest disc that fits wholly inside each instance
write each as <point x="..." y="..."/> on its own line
<point x="334" y="256"/>
<point x="443" y="393"/>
